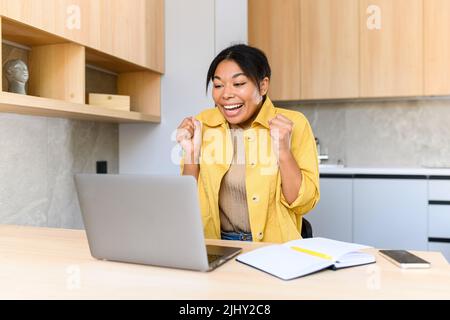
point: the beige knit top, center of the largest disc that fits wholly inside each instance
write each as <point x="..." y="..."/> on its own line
<point x="232" y="195"/>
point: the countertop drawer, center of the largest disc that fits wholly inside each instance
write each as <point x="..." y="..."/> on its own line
<point x="439" y="221"/>
<point x="439" y="190"/>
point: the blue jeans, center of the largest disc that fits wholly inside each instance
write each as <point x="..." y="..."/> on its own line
<point x="239" y="236"/>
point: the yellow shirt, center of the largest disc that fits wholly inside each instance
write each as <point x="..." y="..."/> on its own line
<point x="272" y="219"/>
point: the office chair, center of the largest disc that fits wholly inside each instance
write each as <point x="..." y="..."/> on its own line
<point x="306" y="229"/>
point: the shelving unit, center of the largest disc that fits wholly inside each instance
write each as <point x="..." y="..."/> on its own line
<point x="57" y="86"/>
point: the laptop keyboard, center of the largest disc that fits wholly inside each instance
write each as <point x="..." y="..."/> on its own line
<point x="213" y="257"/>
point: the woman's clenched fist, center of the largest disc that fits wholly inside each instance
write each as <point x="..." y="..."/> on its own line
<point x="189" y="136"/>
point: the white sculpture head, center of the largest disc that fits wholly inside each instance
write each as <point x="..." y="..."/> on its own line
<point x="16" y="72"/>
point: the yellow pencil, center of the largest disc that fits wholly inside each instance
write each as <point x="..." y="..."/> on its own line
<point x="313" y="253"/>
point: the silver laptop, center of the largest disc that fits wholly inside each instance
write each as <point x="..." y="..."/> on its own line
<point x="147" y="219"/>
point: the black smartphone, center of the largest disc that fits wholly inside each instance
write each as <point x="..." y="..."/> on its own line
<point x="404" y="259"/>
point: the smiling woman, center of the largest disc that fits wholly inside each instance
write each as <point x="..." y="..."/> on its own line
<point x="240" y="77"/>
<point x="234" y="93"/>
<point x="256" y="165"/>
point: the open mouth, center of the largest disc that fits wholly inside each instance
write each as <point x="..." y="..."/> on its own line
<point x="233" y="107"/>
<point x="232" y="110"/>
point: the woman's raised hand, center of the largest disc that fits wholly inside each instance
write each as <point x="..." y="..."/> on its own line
<point x="189" y="136"/>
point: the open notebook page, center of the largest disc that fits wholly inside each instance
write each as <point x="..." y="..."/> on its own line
<point x="335" y="249"/>
<point x="283" y="262"/>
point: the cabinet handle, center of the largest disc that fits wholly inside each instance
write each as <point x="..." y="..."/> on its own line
<point x="441" y="240"/>
<point x="439" y="202"/>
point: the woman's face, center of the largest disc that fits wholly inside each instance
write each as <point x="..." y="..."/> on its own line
<point x="236" y="96"/>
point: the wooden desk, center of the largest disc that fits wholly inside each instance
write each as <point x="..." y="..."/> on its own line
<point x="40" y="263"/>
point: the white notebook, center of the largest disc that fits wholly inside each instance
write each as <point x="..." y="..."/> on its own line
<point x="298" y="258"/>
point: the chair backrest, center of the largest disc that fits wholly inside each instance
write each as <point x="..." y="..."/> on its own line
<point x="307" y="231"/>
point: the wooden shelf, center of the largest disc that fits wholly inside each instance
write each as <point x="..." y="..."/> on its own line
<point x="57" y="84"/>
<point x="30" y="105"/>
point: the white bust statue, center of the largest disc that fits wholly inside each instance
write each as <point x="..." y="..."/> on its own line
<point x="17" y="74"/>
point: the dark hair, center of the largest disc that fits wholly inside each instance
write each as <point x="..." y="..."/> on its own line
<point x="251" y="60"/>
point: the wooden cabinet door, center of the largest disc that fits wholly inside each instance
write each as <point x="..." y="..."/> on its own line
<point x="128" y="29"/>
<point x="274" y="27"/>
<point x="391" y="55"/>
<point x="329" y="49"/>
<point x="437" y="47"/>
<point x="132" y="30"/>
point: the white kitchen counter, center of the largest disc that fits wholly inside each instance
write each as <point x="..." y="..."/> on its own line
<point x="327" y="169"/>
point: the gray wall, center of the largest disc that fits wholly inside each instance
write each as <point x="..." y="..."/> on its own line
<point x="37" y="160"/>
<point x="230" y="23"/>
<point x="383" y="133"/>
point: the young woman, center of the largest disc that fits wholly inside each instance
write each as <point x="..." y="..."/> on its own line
<point x="256" y="165"/>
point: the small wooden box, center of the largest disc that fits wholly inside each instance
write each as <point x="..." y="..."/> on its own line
<point x="111" y="101"/>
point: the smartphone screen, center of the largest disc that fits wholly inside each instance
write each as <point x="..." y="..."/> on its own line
<point x="404" y="259"/>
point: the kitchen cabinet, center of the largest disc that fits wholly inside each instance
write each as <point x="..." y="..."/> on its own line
<point x="274" y="27"/>
<point x="391" y="40"/>
<point x="437" y="47"/>
<point x="439" y="215"/>
<point x="439" y="189"/>
<point x="58" y="80"/>
<point x="385" y="210"/>
<point x="312" y="46"/>
<point x="439" y="221"/>
<point x="329" y="49"/>
<point x="131" y="30"/>
<point x="391" y="213"/>
<point x="332" y="217"/>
